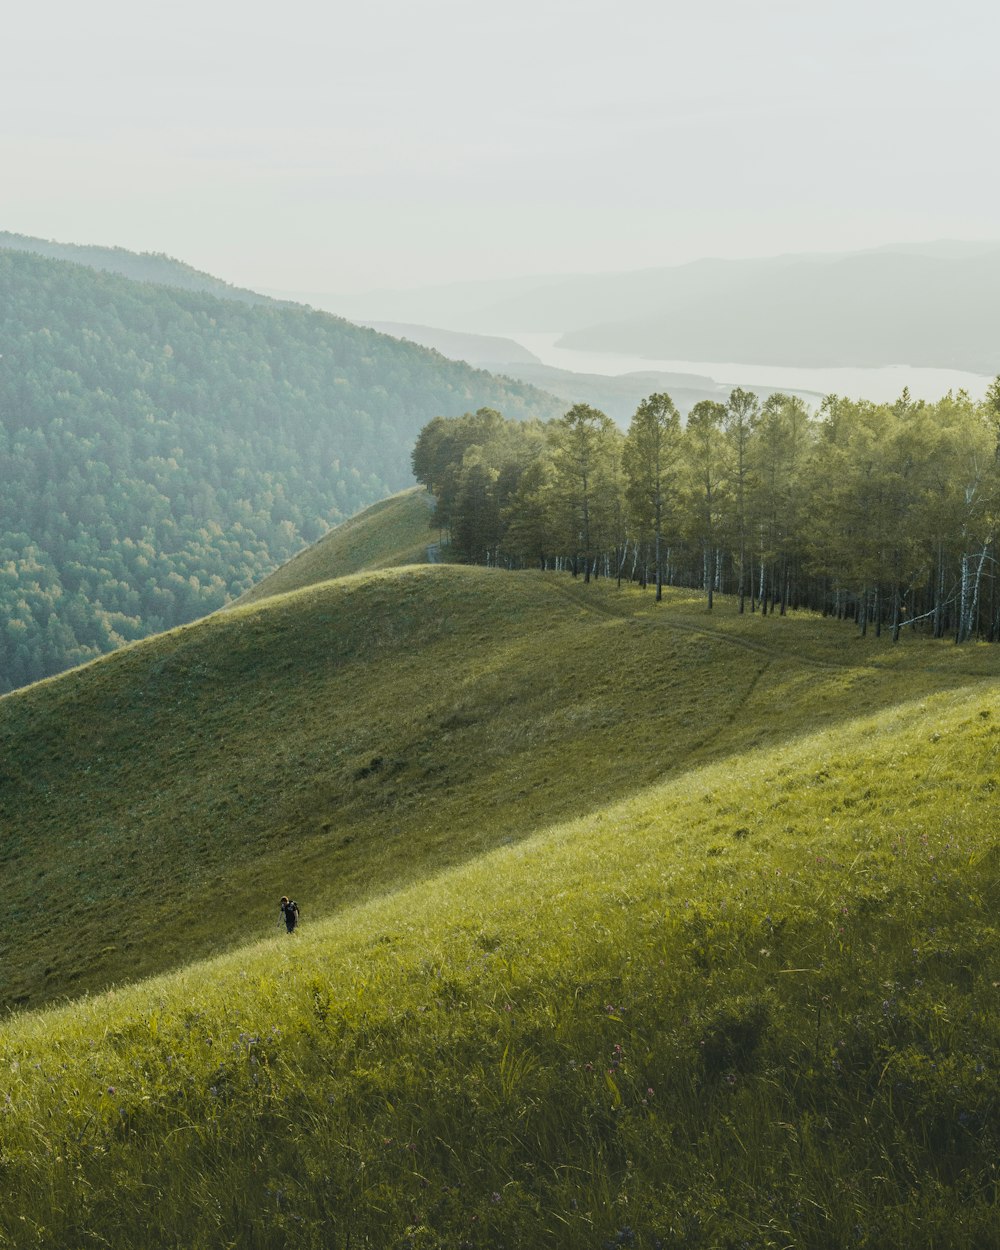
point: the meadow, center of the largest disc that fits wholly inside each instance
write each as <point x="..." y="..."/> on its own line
<point x="393" y="532"/>
<point x="623" y="925"/>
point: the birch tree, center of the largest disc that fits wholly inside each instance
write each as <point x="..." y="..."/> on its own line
<point x="703" y="455"/>
<point x="651" y="463"/>
<point x="581" y="443"/>
<point x="741" y="414"/>
<point x="783" y="441"/>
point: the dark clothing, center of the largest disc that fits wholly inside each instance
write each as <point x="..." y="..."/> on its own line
<point x="290" y="911"/>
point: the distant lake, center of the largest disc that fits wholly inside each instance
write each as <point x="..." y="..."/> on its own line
<point x="878" y="385"/>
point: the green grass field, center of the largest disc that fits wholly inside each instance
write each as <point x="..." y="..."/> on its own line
<point x="623" y="925"/>
<point x="393" y="532"/>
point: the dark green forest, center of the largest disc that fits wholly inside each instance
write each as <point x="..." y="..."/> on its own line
<point x="161" y="450"/>
<point x="884" y="514"/>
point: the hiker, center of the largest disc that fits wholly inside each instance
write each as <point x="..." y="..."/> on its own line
<point x="290" y="912"/>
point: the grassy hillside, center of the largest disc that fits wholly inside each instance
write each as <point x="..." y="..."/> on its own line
<point x="730" y="982"/>
<point x="355" y="736"/>
<point x="393" y="532"/>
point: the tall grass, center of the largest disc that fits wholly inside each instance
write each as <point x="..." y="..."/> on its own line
<point x="395" y="531"/>
<point x="752" y="1005"/>
<point x="355" y="736"/>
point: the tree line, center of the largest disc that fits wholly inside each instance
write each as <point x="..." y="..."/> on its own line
<point x="883" y="514"/>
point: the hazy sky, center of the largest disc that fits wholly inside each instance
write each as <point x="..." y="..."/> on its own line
<point x="338" y="147"/>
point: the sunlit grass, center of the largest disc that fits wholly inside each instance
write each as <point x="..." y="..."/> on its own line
<point x="752" y="1005"/>
<point x="393" y="532"/>
<point x="353" y="737"/>
<point x="624" y="925"/>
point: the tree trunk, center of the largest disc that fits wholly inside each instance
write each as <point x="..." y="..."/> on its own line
<point x="972" y="622"/>
<point x="711" y="581"/>
<point x="659" y="570"/>
<point x="963" y="600"/>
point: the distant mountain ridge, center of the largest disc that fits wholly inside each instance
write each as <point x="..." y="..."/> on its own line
<point x="482" y="350"/>
<point x="876" y="309"/>
<point x="929" y="304"/>
<point x="616" y="394"/>
<point x="154" y="267"/>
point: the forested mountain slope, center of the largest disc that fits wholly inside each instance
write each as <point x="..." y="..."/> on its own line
<point x="162" y="450"/>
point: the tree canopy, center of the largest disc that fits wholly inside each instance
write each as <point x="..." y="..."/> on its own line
<point x="887" y="514"/>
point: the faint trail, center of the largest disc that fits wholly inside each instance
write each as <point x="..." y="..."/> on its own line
<point x="578" y="596"/>
<point x="762" y="648"/>
<point x="705" y="631"/>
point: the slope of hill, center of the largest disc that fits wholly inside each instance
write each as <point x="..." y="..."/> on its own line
<point x="732" y="984"/>
<point x="483" y="350"/>
<point x="356" y="735"/>
<point x="393" y="532"/>
<point x="162" y="450"/>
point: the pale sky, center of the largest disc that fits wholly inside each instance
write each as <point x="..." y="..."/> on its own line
<point x="392" y="143"/>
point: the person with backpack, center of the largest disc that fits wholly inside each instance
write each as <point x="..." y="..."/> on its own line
<point x="289" y="912"/>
